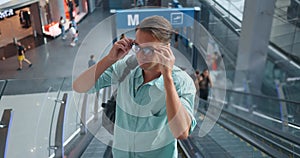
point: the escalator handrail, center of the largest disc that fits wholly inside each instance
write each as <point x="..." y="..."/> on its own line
<point x="59" y="133"/>
<point x="261" y="136"/>
<point x="261" y="96"/>
<point x="251" y="140"/>
<point x="227" y="10"/>
<point x="290" y="56"/>
<point x="52" y="118"/>
<point x="2" y="88"/>
<point x="274" y="131"/>
<point x="4" y="130"/>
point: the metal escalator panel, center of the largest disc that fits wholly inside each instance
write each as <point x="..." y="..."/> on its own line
<point x="270" y="121"/>
<point x="285" y="29"/>
<point x="220" y="142"/>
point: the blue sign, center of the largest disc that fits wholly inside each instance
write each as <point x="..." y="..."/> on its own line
<point x="178" y="17"/>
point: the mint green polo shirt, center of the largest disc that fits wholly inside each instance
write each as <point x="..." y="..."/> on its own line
<point x="141" y="126"/>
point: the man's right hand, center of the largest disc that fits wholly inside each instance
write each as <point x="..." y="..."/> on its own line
<point x="120" y="49"/>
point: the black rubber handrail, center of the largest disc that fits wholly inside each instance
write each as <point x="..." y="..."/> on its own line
<point x="52" y="119"/>
<point x="273" y="131"/>
<point x="4" y="131"/>
<point x="260" y="96"/>
<point x="252" y="140"/>
<point x="59" y="140"/>
<point x="228" y="24"/>
<point x="219" y="15"/>
<point x="227" y="10"/>
<point x="263" y="137"/>
<point x="2" y="88"/>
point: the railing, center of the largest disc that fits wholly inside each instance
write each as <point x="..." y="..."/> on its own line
<point x="268" y="108"/>
<point x="229" y="10"/>
<point x="59" y="133"/>
<point x="33" y="103"/>
<point x="285" y="27"/>
<point x="5" y="125"/>
<point x="245" y="115"/>
<point x="2" y="87"/>
<point x="40" y="98"/>
<point x="56" y="147"/>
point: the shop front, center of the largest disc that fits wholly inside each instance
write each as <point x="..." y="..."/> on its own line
<point x="70" y="10"/>
<point x="18" y="21"/>
<point x="31" y="19"/>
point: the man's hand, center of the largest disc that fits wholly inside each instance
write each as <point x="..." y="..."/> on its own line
<point x="120" y="49"/>
<point x="166" y="59"/>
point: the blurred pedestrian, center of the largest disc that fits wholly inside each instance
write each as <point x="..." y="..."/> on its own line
<point x="21" y="56"/>
<point x="74" y="35"/>
<point x="92" y="61"/>
<point x="74" y="23"/>
<point x="204" y="83"/>
<point x="62" y="27"/>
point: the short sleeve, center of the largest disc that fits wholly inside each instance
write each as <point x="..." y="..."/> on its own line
<point x="187" y="91"/>
<point x="111" y="75"/>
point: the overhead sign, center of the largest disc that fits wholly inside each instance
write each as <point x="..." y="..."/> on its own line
<point x="178" y="17"/>
<point x="6" y="13"/>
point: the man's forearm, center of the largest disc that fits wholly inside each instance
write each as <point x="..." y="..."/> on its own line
<point x="88" y="78"/>
<point x="178" y="118"/>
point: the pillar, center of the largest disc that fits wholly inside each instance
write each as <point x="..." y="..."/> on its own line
<point x="253" y="44"/>
<point x="36" y="22"/>
<point x="57" y="9"/>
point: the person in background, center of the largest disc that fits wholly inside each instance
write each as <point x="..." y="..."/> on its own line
<point x="74" y="35"/>
<point x="155" y="101"/>
<point x="204" y="82"/>
<point x="62" y="27"/>
<point x="92" y="61"/>
<point x="74" y="23"/>
<point x="75" y="38"/>
<point x="21" y="56"/>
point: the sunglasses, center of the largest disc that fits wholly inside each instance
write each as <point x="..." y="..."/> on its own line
<point x="146" y="50"/>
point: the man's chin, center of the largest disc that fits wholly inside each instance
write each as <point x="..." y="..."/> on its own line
<point x="147" y="66"/>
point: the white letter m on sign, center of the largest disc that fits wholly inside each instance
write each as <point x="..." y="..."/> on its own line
<point x="133" y="20"/>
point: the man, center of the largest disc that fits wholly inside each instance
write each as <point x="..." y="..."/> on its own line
<point x="21" y="56"/>
<point x="155" y="101"/>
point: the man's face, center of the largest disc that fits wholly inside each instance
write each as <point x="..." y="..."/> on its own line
<point x="144" y="45"/>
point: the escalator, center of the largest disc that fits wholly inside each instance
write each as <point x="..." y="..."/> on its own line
<point x="246" y="129"/>
<point x="242" y="130"/>
<point x="220" y="142"/>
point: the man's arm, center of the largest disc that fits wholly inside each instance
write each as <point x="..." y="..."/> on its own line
<point x="178" y="117"/>
<point x="88" y="78"/>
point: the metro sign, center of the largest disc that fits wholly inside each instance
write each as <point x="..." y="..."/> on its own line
<point x="178" y="17"/>
<point x="6" y="13"/>
<point x="133" y="19"/>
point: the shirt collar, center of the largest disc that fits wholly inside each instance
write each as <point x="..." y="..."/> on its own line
<point x="158" y="82"/>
